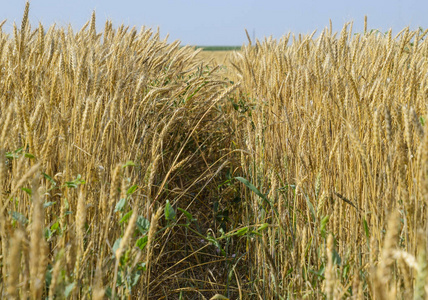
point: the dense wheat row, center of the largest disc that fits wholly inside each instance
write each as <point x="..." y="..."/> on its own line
<point x="333" y="130"/>
<point x="98" y="130"/>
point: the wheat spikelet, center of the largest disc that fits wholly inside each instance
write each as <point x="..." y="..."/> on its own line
<point x="123" y="243"/>
<point x="114" y="188"/>
<point x="80" y="231"/>
<point x="14" y="264"/>
<point x="329" y="272"/>
<point x="55" y="275"/>
<point x="98" y="289"/>
<point x="37" y="245"/>
<point x="383" y="270"/>
<point x="388" y="125"/>
<point x="150" y="243"/>
<point x="7" y="123"/>
<point x="24" y="24"/>
<point x="376" y="129"/>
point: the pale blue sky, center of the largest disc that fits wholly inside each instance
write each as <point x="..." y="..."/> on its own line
<point x="222" y="22"/>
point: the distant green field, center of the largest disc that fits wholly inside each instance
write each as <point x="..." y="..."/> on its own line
<point x="219" y="48"/>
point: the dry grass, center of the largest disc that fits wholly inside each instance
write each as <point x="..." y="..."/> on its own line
<point x="131" y="169"/>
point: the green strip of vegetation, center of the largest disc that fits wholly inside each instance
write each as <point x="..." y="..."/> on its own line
<point x="219" y="48"/>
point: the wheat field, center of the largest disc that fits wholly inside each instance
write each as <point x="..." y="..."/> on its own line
<point x="134" y="168"/>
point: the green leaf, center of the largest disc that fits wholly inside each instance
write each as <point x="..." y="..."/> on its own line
<point x="76" y="182"/>
<point x="241" y="231"/>
<point x="143" y="224"/>
<point x="126" y="217"/>
<point x="48" y="233"/>
<point x="68" y="289"/>
<point x="187" y="214"/>
<point x="366" y="229"/>
<point x="49" y="178"/>
<point x="128" y="163"/>
<point x="255" y="190"/>
<point x="169" y="211"/>
<point x="116" y="245"/>
<point x="311" y="207"/>
<point x="66" y="204"/>
<point x="324" y="222"/>
<point x="108" y="292"/>
<point x="70" y="184"/>
<point x="55" y="226"/>
<point x="213" y="241"/>
<point x="120" y="205"/>
<point x="27" y="190"/>
<point x="19" y="217"/>
<point x="29" y="155"/>
<point x="14" y="154"/>
<point x="142" y="242"/>
<point x="132" y="189"/>
<point x="11" y="155"/>
<point x="263" y="227"/>
<point x="48" y="204"/>
<point x="142" y="266"/>
<point x="336" y="258"/>
<point x="134" y="279"/>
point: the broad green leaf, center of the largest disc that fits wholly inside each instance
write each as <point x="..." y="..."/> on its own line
<point x="169" y="211"/>
<point x="48" y="204"/>
<point x="68" y="289"/>
<point x="120" y="205"/>
<point x="143" y="224"/>
<point x="126" y="217"/>
<point x="116" y="245"/>
<point x="48" y="233"/>
<point x="132" y="189"/>
<point x="19" y="217"/>
<point x="142" y="242"/>
<point x="134" y="279"/>
<point x="55" y="226"/>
